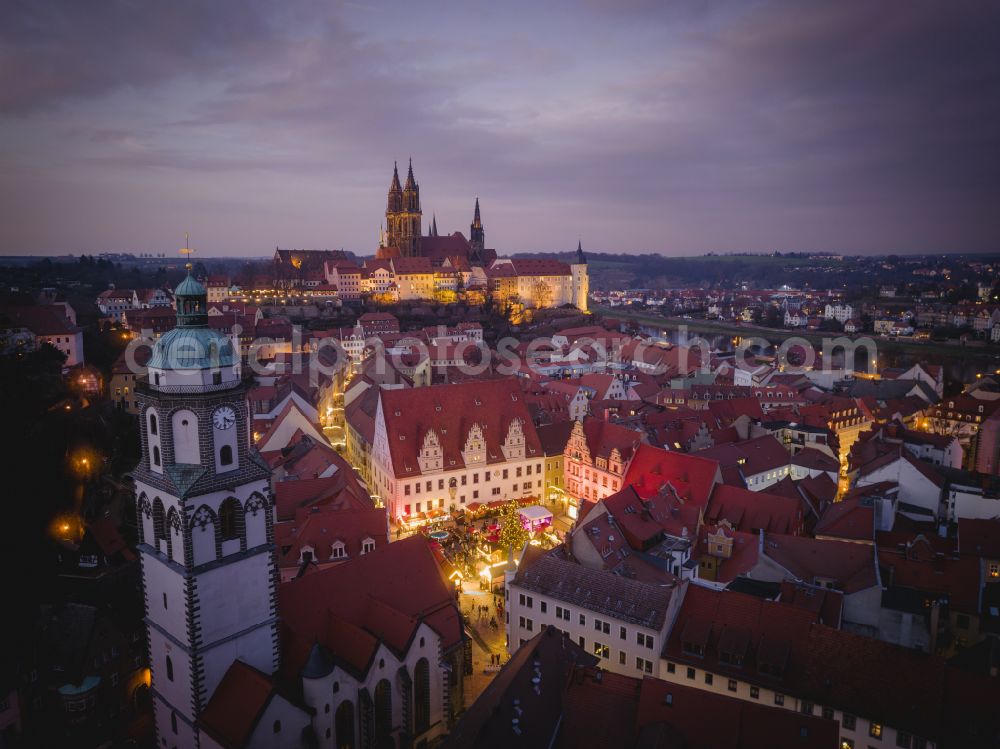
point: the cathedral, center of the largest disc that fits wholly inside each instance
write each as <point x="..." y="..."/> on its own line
<point x="410" y="265"/>
<point x="403" y="234"/>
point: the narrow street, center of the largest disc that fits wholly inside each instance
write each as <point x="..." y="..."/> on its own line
<point x="487" y="640"/>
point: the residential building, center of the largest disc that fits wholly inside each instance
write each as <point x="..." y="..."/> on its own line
<point x="622" y="621"/>
<point x="597" y="456"/>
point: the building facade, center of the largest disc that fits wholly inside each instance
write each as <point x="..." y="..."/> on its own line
<point x="456" y="445"/>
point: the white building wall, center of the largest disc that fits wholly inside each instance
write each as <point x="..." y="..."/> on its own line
<point x="622" y="651"/>
<point x="326" y="694"/>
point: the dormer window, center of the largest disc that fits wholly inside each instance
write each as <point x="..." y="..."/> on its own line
<point x="338" y="551"/>
<point x="693" y="648"/>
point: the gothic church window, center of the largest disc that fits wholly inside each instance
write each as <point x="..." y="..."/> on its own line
<point x="230" y="517"/>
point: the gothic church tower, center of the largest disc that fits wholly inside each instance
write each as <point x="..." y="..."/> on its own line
<point x="205" y="518"/>
<point x="477" y="238"/>
<point x="402" y="215"/>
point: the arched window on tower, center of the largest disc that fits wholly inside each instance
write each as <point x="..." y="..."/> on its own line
<point x="226" y="455"/>
<point x="152" y="424"/>
<point x="156" y="455"/>
<point x="230" y="519"/>
<point x="170" y="669"/>
<point x="159" y="522"/>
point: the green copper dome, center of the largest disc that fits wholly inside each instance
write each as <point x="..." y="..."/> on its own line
<point x="192" y="348"/>
<point x="190" y="287"/>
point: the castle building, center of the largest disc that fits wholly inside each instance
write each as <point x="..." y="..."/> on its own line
<point x="540" y="282"/>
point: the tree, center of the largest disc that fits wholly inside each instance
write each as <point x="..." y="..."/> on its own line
<point x="512" y="532"/>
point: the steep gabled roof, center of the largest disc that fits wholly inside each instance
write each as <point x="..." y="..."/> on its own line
<point x="691" y="476"/>
<point x="385" y="594"/>
<point x="237" y="705"/>
<point x="850" y="566"/>
<point x="452" y="411"/>
<point x="752" y="511"/>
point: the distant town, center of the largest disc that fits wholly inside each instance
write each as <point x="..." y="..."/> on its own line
<point x="320" y="499"/>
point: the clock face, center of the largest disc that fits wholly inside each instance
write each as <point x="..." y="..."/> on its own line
<point x="224" y="417"/>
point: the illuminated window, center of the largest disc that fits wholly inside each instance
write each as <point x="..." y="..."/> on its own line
<point x="875" y="730"/>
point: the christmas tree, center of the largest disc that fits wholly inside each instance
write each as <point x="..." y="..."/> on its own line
<point x="513" y="535"/>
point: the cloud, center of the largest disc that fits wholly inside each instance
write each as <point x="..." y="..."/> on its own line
<point x="671" y="127"/>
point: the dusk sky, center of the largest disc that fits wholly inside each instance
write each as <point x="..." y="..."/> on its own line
<point x="635" y="125"/>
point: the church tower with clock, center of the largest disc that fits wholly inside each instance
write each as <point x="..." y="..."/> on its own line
<point x="205" y="521"/>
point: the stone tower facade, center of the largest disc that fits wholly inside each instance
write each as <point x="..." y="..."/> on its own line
<point x="205" y="519"/>
<point x="581" y="279"/>
<point x="402" y="215"/>
<point x="477" y="238"/>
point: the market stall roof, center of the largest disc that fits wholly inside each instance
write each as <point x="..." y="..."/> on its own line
<point x="535" y="513"/>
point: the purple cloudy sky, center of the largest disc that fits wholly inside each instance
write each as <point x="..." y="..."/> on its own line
<point x="638" y="125"/>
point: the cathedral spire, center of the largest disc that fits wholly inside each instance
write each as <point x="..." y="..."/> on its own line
<point x="434" y="225"/>
<point x="581" y="259"/>
<point x="394" y="187"/>
<point x="411" y="183"/>
<point x="477" y="237"/>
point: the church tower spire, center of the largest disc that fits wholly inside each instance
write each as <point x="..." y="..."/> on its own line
<point x="395" y="201"/>
<point x="477" y="237"/>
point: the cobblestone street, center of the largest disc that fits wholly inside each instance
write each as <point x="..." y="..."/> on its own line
<point x="487" y="641"/>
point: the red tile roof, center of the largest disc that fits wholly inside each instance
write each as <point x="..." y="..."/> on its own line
<point x="451" y="411"/>
<point x="603" y="437"/>
<point x="851" y="519"/>
<point x="750" y="457"/>
<point x="540" y="267"/>
<point x="691" y="717"/>
<point x="237" y="705"/>
<point x="41" y="319"/>
<point x="754" y="511"/>
<point x="920" y="567"/>
<point x="319" y="527"/>
<point x="412" y="265"/>
<point x="382" y="596"/>
<point x="691" y="477"/>
<point x="751" y="630"/>
<point x="816" y="460"/>
<point x="342" y="491"/>
<point x="850" y="566"/>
